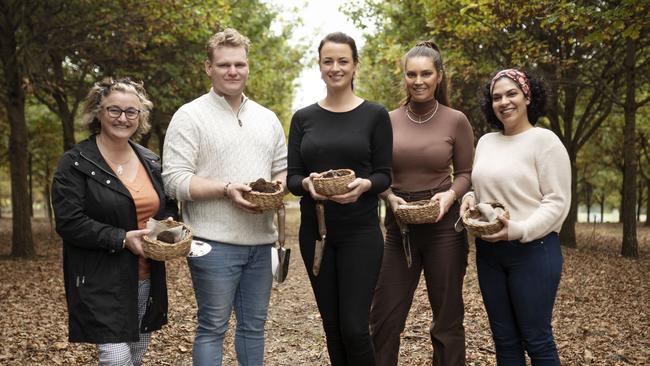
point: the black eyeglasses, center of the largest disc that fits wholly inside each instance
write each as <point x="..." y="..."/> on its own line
<point x="116" y="112"/>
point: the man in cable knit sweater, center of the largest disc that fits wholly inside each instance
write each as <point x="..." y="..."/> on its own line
<point x="213" y="146"/>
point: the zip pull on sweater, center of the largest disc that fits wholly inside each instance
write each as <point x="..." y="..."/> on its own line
<point x="239" y="111"/>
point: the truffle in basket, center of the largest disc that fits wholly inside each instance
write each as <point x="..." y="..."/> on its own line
<point x="483" y="218"/>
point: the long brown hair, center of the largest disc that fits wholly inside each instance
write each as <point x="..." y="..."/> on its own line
<point x="431" y="50"/>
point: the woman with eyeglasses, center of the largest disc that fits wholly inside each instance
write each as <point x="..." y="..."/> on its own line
<point x="104" y="190"/>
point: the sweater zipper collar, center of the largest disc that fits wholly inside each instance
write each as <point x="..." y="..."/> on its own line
<point x="222" y="101"/>
<point x="241" y="106"/>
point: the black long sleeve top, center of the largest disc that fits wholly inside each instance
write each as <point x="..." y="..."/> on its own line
<point x="360" y="139"/>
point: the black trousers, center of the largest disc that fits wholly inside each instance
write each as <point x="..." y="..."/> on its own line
<point x="345" y="285"/>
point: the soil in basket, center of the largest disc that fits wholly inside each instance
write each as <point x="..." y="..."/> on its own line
<point x="263" y="186"/>
<point x="334" y="174"/>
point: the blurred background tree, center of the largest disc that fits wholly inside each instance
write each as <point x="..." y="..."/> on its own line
<point x="52" y="51"/>
<point x="593" y="55"/>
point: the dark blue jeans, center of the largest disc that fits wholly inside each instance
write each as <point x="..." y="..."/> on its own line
<point x="519" y="282"/>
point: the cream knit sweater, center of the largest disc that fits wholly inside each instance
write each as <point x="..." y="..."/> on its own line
<point x="530" y="173"/>
<point x="204" y="138"/>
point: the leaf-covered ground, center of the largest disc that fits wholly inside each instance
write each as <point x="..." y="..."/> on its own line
<point x="601" y="316"/>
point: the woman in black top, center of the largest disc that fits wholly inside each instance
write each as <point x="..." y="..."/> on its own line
<point x="342" y="131"/>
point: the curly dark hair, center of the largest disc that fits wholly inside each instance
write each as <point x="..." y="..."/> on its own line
<point x="536" y="108"/>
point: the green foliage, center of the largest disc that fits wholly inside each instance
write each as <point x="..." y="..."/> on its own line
<point x="577" y="47"/>
<point x="64" y="46"/>
<point x="45" y="145"/>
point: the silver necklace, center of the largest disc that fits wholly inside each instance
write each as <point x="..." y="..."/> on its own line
<point x="119" y="169"/>
<point x="420" y="117"/>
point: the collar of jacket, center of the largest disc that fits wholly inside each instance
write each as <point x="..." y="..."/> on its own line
<point x="92" y="164"/>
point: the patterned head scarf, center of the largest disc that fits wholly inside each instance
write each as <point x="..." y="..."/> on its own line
<point x="515" y="75"/>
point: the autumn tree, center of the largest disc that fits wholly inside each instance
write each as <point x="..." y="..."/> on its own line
<point x="13" y="35"/>
<point x="628" y="36"/>
<point x="552" y="39"/>
<point x="56" y="49"/>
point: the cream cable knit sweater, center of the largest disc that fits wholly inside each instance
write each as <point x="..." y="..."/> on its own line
<point x="204" y="138"/>
<point x="530" y="173"/>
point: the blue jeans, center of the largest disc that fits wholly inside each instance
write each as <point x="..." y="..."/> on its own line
<point x="231" y="275"/>
<point x="519" y="282"/>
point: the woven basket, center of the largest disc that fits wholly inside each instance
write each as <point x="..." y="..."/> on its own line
<point x="161" y="251"/>
<point x="418" y="212"/>
<point x="483" y="228"/>
<point x="265" y="201"/>
<point x="334" y="185"/>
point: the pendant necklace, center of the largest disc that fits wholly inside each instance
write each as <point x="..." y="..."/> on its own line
<point x="421" y="117"/>
<point x="119" y="167"/>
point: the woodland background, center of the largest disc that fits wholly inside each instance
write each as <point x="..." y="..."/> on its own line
<point x="592" y="54"/>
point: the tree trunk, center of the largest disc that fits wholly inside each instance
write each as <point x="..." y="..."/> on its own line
<point x="629" y="246"/>
<point x="22" y="243"/>
<point x="158" y="126"/>
<point x="47" y="197"/>
<point x="588" y="199"/>
<point x="602" y="208"/>
<point x="639" y="197"/>
<point x="63" y="109"/>
<point x="144" y="139"/>
<point x="647" y="203"/>
<point x="160" y="133"/>
<point x="30" y="180"/>
<point x="568" y="231"/>
<point x="67" y="122"/>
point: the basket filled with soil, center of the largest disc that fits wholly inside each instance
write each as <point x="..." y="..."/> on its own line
<point x="482" y="219"/>
<point x="167" y="240"/>
<point x="418" y="212"/>
<point x="333" y="182"/>
<point x="266" y="195"/>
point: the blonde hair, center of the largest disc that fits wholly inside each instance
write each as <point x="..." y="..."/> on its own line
<point x="102" y="89"/>
<point x="229" y="37"/>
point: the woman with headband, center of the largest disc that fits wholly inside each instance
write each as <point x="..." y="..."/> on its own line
<point x="432" y="159"/>
<point x="528" y="169"/>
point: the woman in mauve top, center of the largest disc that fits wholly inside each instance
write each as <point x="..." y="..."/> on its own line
<point x="527" y="168"/>
<point x="342" y="131"/>
<point x="432" y="159"/>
